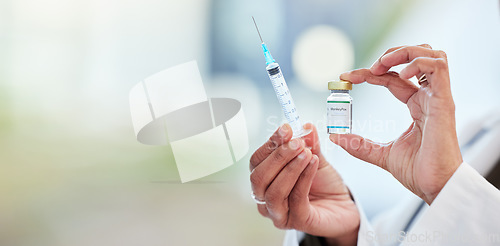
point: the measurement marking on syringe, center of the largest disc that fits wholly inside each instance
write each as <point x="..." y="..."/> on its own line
<point x="282" y="91"/>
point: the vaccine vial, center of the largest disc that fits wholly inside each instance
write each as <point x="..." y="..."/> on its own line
<point x="339" y="108"/>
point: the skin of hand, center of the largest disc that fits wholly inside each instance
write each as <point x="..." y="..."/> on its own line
<point x="426" y="155"/>
<point x="301" y="189"/>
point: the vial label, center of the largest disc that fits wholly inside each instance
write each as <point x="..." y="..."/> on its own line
<point x="338" y="116"/>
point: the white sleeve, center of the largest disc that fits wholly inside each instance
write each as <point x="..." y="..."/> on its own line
<point x="465" y="212"/>
<point x="293" y="238"/>
<point x="365" y="234"/>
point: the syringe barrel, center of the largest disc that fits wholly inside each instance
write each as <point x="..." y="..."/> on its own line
<point x="284" y="97"/>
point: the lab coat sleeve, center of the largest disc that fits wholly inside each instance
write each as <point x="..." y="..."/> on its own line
<point x="365" y="233"/>
<point x="465" y="212"/>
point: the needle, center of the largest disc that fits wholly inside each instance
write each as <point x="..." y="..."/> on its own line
<point x="257" y="29"/>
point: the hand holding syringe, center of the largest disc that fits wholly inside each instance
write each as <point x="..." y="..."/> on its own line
<point x="282" y="92"/>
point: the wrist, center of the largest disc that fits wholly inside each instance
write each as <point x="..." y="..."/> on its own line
<point x="429" y="198"/>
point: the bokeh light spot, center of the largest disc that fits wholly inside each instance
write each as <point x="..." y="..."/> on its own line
<point x="320" y="54"/>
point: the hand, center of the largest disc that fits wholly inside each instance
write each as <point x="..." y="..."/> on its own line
<point x="426" y="155"/>
<point x="301" y="189"/>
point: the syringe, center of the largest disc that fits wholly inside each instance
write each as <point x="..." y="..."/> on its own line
<point x="282" y="92"/>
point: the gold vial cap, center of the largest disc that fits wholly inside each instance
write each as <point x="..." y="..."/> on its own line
<point x="339" y="85"/>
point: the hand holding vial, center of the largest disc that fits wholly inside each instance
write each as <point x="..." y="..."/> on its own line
<point x="425" y="156"/>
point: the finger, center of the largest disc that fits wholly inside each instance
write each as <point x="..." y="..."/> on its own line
<point x="403" y="55"/>
<point x="377" y="63"/>
<point x="262" y="176"/>
<point x="436" y="70"/>
<point x="312" y="139"/>
<point x="276" y="195"/>
<point x="263" y="210"/>
<point x="399" y="47"/>
<point x="280" y="136"/>
<point x="362" y="148"/>
<point x="402" y="89"/>
<point x="298" y="201"/>
<point x="428" y="46"/>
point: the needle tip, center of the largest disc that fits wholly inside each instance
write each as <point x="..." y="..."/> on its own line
<point x="257" y="29"/>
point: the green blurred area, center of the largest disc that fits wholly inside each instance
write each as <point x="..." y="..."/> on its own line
<point x="377" y="32"/>
<point x="59" y="187"/>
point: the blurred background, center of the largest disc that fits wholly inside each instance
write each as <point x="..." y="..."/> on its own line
<point x="71" y="171"/>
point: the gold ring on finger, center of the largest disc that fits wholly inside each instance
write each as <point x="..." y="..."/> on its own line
<point x="422" y="79"/>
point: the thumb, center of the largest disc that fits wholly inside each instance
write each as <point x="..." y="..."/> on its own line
<point x="362" y="148"/>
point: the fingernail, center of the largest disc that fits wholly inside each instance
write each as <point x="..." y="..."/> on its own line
<point x="345" y="75"/>
<point x="283" y="131"/>
<point x="313" y="160"/>
<point x="295" y="144"/>
<point x="302" y="155"/>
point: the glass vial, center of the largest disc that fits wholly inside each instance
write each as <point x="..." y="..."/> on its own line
<point x="339" y="108"/>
